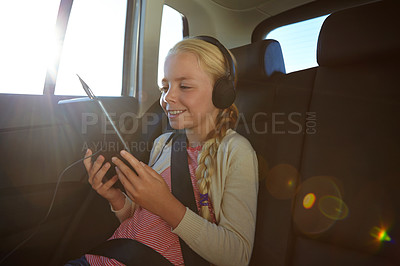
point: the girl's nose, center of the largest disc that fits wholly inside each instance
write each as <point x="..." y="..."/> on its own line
<point x="170" y="95"/>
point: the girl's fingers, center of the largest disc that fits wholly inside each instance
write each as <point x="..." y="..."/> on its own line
<point x="125" y="182"/>
<point x="96" y="165"/>
<point x="98" y="178"/>
<point x="107" y="185"/>
<point x="125" y="169"/>
<point x="151" y="171"/>
<point x="133" y="162"/>
<point x="88" y="161"/>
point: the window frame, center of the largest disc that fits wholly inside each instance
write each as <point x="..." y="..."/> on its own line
<point x="185" y="25"/>
<point x="64" y="12"/>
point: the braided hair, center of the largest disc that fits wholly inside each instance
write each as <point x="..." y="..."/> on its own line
<point x="206" y="159"/>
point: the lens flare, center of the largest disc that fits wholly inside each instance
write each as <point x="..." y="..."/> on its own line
<point x="324" y="193"/>
<point x="380" y="234"/>
<point x="309" y="200"/>
<point x="333" y="207"/>
<point x="281" y="181"/>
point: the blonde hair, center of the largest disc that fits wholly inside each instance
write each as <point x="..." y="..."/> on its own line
<point x="213" y="62"/>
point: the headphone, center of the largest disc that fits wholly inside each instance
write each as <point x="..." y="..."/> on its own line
<point x="224" y="91"/>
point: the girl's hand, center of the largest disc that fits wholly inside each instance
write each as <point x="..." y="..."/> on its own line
<point x="149" y="190"/>
<point x="96" y="172"/>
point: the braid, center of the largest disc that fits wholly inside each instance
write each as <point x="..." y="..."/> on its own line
<point x="206" y="159"/>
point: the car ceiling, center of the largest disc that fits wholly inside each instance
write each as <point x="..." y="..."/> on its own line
<point x="268" y="7"/>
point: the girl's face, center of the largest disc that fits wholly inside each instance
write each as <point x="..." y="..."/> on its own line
<point x="187" y="94"/>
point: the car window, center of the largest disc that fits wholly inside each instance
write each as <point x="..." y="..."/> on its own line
<point x="299" y="43"/>
<point x="93" y="48"/>
<point x="172" y="27"/>
<point x="26" y="39"/>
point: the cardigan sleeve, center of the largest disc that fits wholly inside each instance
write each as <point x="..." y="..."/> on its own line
<point x="126" y="211"/>
<point x="231" y="241"/>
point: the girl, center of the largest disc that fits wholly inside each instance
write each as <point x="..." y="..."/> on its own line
<point x="222" y="165"/>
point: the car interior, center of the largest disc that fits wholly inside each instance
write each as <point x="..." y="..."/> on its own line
<point x="326" y="137"/>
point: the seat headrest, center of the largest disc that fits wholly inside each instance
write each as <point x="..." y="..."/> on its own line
<point x="360" y="34"/>
<point x="258" y="60"/>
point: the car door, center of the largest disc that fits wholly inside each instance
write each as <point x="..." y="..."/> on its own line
<point x="50" y="212"/>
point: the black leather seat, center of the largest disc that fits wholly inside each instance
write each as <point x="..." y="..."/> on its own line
<point x="331" y="155"/>
<point x="352" y="162"/>
<point x="260" y="71"/>
<point x="259" y="66"/>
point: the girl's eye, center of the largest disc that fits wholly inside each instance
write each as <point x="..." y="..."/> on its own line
<point x="184" y="87"/>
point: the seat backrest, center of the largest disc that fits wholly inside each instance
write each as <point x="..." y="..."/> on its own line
<point x="282" y="156"/>
<point x="259" y="65"/>
<point x="260" y="68"/>
<point x="272" y="109"/>
<point x="329" y="194"/>
<point x="346" y="206"/>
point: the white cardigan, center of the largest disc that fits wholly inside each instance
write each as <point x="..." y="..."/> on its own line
<point x="233" y="193"/>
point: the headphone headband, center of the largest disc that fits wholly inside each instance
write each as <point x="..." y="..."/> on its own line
<point x="225" y="53"/>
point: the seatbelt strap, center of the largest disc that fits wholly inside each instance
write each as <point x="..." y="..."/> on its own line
<point x="182" y="189"/>
<point x="181" y="182"/>
<point x="130" y="252"/>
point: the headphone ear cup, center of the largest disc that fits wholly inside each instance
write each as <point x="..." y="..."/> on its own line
<point x="223" y="93"/>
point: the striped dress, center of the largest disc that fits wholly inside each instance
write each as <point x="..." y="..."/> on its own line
<point x="149" y="229"/>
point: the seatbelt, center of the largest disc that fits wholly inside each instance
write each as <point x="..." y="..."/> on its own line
<point x="182" y="189"/>
<point x="131" y="252"/>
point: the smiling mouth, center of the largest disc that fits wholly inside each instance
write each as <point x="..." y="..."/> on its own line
<point x="173" y="113"/>
<point x="176" y="112"/>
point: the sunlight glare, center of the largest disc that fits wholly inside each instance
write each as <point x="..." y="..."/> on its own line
<point x="27" y="29"/>
<point x="93" y="48"/>
<point x="171" y="33"/>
